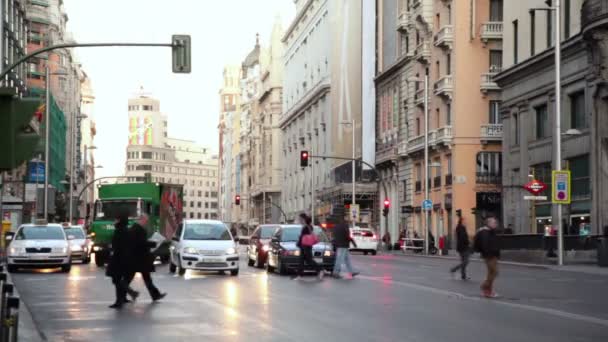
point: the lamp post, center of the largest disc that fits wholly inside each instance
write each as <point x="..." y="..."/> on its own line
<point x="72" y="162"/>
<point x="86" y="194"/>
<point x="354" y="170"/>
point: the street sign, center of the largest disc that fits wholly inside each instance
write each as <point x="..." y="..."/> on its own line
<point x="354" y="212"/>
<point x="535" y="198"/>
<point x="36" y="172"/>
<point x="560" y="193"/>
<point x="427" y="204"/>
<point x="535" y="187"/>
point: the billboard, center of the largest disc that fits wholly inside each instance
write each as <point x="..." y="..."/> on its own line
<point x="141" y="130"/>
<point x="35" y="172"/>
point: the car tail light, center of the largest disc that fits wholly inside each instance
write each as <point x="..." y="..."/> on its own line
<point x="374" y="237"/>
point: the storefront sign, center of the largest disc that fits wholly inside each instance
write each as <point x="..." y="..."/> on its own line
<point x="535" y="187"/>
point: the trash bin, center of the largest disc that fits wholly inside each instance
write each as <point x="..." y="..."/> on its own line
<point x="602" y="252"/>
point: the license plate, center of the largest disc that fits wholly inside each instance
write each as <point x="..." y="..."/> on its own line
<point x="39" y="257"/>
<point x="206" y="261"/>
<point x="319" y="260"/>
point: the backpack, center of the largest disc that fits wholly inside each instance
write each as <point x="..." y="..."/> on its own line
<point x="477" y="244"/>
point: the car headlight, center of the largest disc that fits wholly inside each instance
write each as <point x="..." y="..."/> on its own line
<point x="328" y="253"/>
<point x="190" y="250"/>
<point x="265" y="248"/>
<point x="76" y="248"/>
<point x="60" y="250"/>
<point x="15" y="251"/>
<point x="292" y="253"/>
<point x="231" y="250"/>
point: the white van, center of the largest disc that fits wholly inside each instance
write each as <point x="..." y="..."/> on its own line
<point x="203" y="245"/>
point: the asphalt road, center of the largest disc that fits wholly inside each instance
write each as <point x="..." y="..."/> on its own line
<point x="395" y="298"/>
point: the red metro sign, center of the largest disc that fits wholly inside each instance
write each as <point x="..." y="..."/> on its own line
<point x="535" y="187"/>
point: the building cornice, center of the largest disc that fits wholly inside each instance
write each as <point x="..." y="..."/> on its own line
<point x="391" y="70"/>
<point x="320" y="89"/>
<point x="296" y="20"/>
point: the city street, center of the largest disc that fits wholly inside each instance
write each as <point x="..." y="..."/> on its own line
<point x="396" y="298"/>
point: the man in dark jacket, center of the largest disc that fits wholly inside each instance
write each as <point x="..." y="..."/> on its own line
<point x="342" y="241"/>
<point x="143" y="260"/>
<point x="119" y="266"/>
<point x="486" y="243"/>
<point x="462" y="247"/>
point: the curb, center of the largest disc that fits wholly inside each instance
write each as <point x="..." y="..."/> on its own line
<point x="28" y="331"/>
<point x="476" y="259"/>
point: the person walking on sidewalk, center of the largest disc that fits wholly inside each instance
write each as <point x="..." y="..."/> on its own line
<point x="463" y="249"/>
<point x="342" y="241"/>
<point x="306" y="241"/>
<point x="486" y="243"/>
<point x="143" y="259"/>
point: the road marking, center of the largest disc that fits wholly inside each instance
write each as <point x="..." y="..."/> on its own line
<point x="554" y="312"/>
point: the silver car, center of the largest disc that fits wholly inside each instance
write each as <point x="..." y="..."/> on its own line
<point x="79" y="244"/>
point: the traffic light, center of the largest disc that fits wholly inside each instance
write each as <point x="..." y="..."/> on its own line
<point x="237" y="200"/>
<point x="181" y="46"/>
<point x="20" y="128"/>
<point x="387" y="205"/>
<point x="304" y="158"/>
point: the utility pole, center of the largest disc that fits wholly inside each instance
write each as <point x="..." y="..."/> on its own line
<point x="354" y="179"/>
<point x="558" y="134"/>
<point x="72" y="154"/>
<point x="47" y="132"/>
<point x="427" y="215"/>
<point x="312" y="180"/>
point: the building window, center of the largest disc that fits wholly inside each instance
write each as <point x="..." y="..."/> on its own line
<point x="448" y="176"/>
<point x="489" y="167"/>
<point x="198" y="204"/>
<point x="213" y="194"/>
<point x="496" y="8"/>
<point x="515" y="40"/>
<point x="577" y="110"/>
<point x="494" y="112"/>
<point x="143" y="168"/>
<point x="495" y="60"/>
<point x="200" y="193"/>
<point x="146" y="155"/>
<point x="532" y="33"/>
<point x="206" y="216"/>
<point x="417" y="126"/>
<point x="515" y="129"/>
<point x="191" y="215"/>
<point x="580" y="173"/>
<point x="448" y="114"/>
<point x="206" y="205"/>
<point x="448" y="64"/>
<point x="566" y="18"/>
<point x="191" y="204"/>
<point x="549" y="28"/>
<point x="542" y="122"/>
<point x="437" y="179"/>
<point x="198" y="215"/>
<point x="206" y="194"/>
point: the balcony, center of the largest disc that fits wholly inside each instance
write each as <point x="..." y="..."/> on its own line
<point x="491" y="132"/>
<point x="403" y="21"/>
<point x="487" y="82"/>
<point x="445" y="86"/>
<point x="445" y="37"/>
<point x="415" y="144"/>
<point x="423" y="52"/>
<point x="419" y="97"/>
<point x="448" y="179"/>
<point x="437" y="182"/>
<point x="488" y="178"/>
<point x="444" y="136"/>
<point x="402" y="148"/>
<point x="491" y="30"/>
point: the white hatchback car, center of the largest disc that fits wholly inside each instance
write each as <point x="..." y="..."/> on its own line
<point x="366" y="240"/>
<point x="39" y="245"/>
<point x="204" y="245"/>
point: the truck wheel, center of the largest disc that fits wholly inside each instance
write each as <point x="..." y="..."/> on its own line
<point x="100" y="259"/>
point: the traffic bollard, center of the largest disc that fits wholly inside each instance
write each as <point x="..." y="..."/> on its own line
<point x="7" y="290"/>
<point x="11" y="320"/>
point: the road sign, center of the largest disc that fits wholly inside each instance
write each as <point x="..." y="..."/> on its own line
<point x="36" y="172"/>
<point x="427" y="204"/>
<point x="535" y="198"/>
<point x="535" y="187"/>
<point x="354" y="212"/>
<point x="560" y="193"/>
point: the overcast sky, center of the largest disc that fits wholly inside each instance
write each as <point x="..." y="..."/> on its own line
<point x="223" y="32"/>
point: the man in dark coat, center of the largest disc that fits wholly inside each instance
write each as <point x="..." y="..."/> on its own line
<point x="486" y="243"/>
<point x="119" y="266"/>
<point x="463" y="248"/>
<point x="143" y="259"/>
<point x="342" y="241"/>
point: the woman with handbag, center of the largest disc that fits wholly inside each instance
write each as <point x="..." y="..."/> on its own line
<point x="306" y="241"/>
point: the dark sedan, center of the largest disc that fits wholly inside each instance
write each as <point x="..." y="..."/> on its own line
<point x="284" y="255"/>
<point x="259" y="244"/>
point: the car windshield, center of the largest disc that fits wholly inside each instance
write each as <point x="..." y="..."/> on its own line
<point x="40" y="233"/>
<point x="206" y="231"/>
<point x="112" y="209"/>
<point x="266" y="232"/>
<point x="77" y="233"/>
<point x="290" y="234"/>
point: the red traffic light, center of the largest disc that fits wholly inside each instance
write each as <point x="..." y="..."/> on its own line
<point x="237" y="200"/>
<point x="304" y="158"/>
<point x="387" y="203"/>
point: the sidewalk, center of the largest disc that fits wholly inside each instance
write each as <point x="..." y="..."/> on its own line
<point x="27" y="328"/>
<point x="587" y="268"/>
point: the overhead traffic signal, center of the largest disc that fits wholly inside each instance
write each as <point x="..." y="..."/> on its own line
<point x="20" y="120"/>
<point x="181" y="46"/>
<point x="237" y="200"/>
<point x="304" y="158"/>
<point x="387" y="205"/>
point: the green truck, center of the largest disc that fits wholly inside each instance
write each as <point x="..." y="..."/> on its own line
<point x="162" y="202"/>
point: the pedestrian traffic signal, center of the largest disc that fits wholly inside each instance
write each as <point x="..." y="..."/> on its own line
<point x="387" y="205"/>
<point x="20" y="120"/>
<point x="304" y="158"/>
<point x="237" y="200"/>
<point x="180" y="45"/>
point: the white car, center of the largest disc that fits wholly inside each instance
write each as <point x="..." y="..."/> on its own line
<point x="204" y="245"/>
<point x="79" y="244"/>
<point x="366" y="240"/>
<point x="39" y="245"/>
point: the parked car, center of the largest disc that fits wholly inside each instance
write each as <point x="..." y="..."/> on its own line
<point x="284" y="255"/>
<point x="259" y="244"/>
<point x="203" y="245"/>
<point x="366" y="240"/>
<point x="39" y="245"/>
<point x="79" y="244"/>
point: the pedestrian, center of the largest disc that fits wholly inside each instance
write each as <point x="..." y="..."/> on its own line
<point x="143" y="259"/>
<point x="486" y="243"/>
<point x="305" y="242"/>
<point x="463" y="249"/>
<point x="118" y="267"/>
<point x="386" y="239"/>
<point x="342" y="240"/>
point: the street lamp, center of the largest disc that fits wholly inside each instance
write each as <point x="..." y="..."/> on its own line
<point x="86" y="194"/>
<point x="47" y="133"/>
<point x="72" y="158"/>
<point x="426" y="155"/>
<point x="354" y="179"/>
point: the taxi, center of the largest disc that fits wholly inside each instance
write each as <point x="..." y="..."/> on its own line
<point x="39" y="245"/>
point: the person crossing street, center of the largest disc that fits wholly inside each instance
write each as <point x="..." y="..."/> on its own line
<point x="342" y="241"/>
<point x="463" y="249"/>
<point x="487" y="244"/>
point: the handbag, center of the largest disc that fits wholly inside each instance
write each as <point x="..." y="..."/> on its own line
<point x="309" y="240"/>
